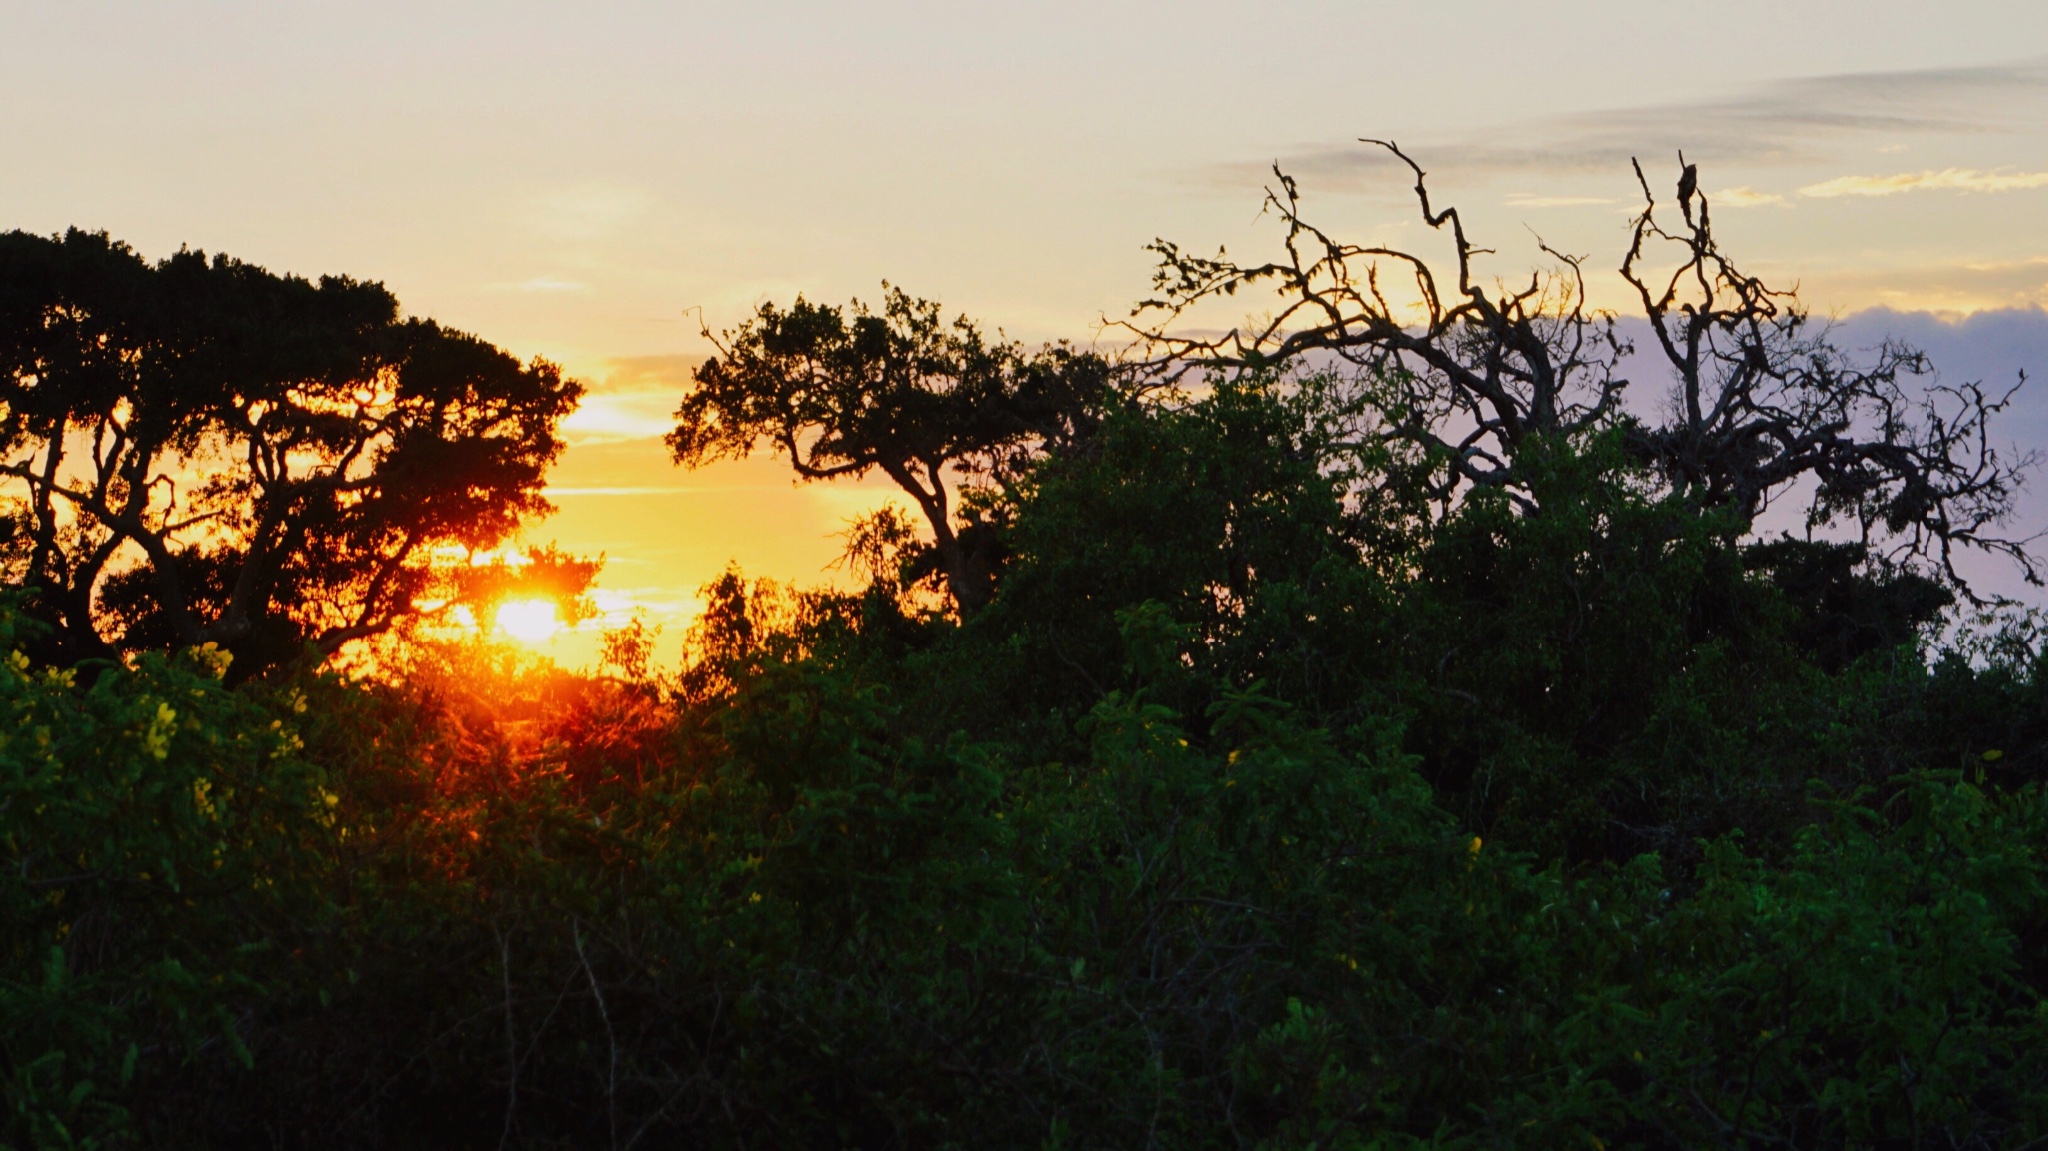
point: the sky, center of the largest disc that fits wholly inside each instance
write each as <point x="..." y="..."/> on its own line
<point x="593" y="182"/>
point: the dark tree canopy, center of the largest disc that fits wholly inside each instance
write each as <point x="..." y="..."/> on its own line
<point x="1452" y="380"/>
<point x="199" y="451"/>
<point x="1394" y="740"/>
<point x="841" y="392"/>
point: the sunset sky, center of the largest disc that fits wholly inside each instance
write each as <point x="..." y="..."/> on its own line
<point x="584" y="181"/>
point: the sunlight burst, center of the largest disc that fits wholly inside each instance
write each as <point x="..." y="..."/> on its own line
<point x="529" y="620"/>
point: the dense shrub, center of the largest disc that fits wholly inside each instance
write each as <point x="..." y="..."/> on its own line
<point x="1232" y="821"/>
<point x="165" y="841"/>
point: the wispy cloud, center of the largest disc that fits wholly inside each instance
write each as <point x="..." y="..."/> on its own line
<point x="647" y="373"/>
<point x="604" y="416"/>
<point x="1950" y="179"/>
<point x="636" y="399"/>
<point x="1747" y="197"/>
<point x="1788" y="122"/>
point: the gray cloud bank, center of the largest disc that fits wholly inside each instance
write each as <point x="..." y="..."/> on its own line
<point x="1993" y="347"/>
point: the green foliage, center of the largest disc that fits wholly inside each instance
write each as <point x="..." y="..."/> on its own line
<point x="1258" y="806"/>
<point x="159" y="832"/>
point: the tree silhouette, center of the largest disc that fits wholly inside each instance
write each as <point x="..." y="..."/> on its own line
<point x="200" y="451"/>
<point x="842" y="392"/>
<point x="1452" y="379"/>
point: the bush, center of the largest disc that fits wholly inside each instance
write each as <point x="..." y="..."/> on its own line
<point x="164" y="840"/>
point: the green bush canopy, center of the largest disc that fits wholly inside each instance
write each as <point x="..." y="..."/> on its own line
<point x="1381" y="738"/>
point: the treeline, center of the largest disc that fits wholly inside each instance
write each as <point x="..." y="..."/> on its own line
<point x="1385" y="738"/>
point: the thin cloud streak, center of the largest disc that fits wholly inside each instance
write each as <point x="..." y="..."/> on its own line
<point x="1950" y="179"/>
<point x="1746" y="197"/>
<point x="1789" y="122"/>
<point x="605" y="416"/>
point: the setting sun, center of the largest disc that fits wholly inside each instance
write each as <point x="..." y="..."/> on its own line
<point x="529" y="620"/>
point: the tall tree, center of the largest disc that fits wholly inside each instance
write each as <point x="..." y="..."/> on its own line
<point x="841" y="392"/>
<point x="199" y="451"/>
<point x="1452" y="379"/>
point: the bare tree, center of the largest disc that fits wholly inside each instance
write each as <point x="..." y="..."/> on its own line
<point x="1453" y="380"/>
<point x="1764" y="398"/>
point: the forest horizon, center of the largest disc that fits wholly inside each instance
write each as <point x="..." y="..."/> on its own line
<point x="928" y="577"/>
<point x="596" y="189"/>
